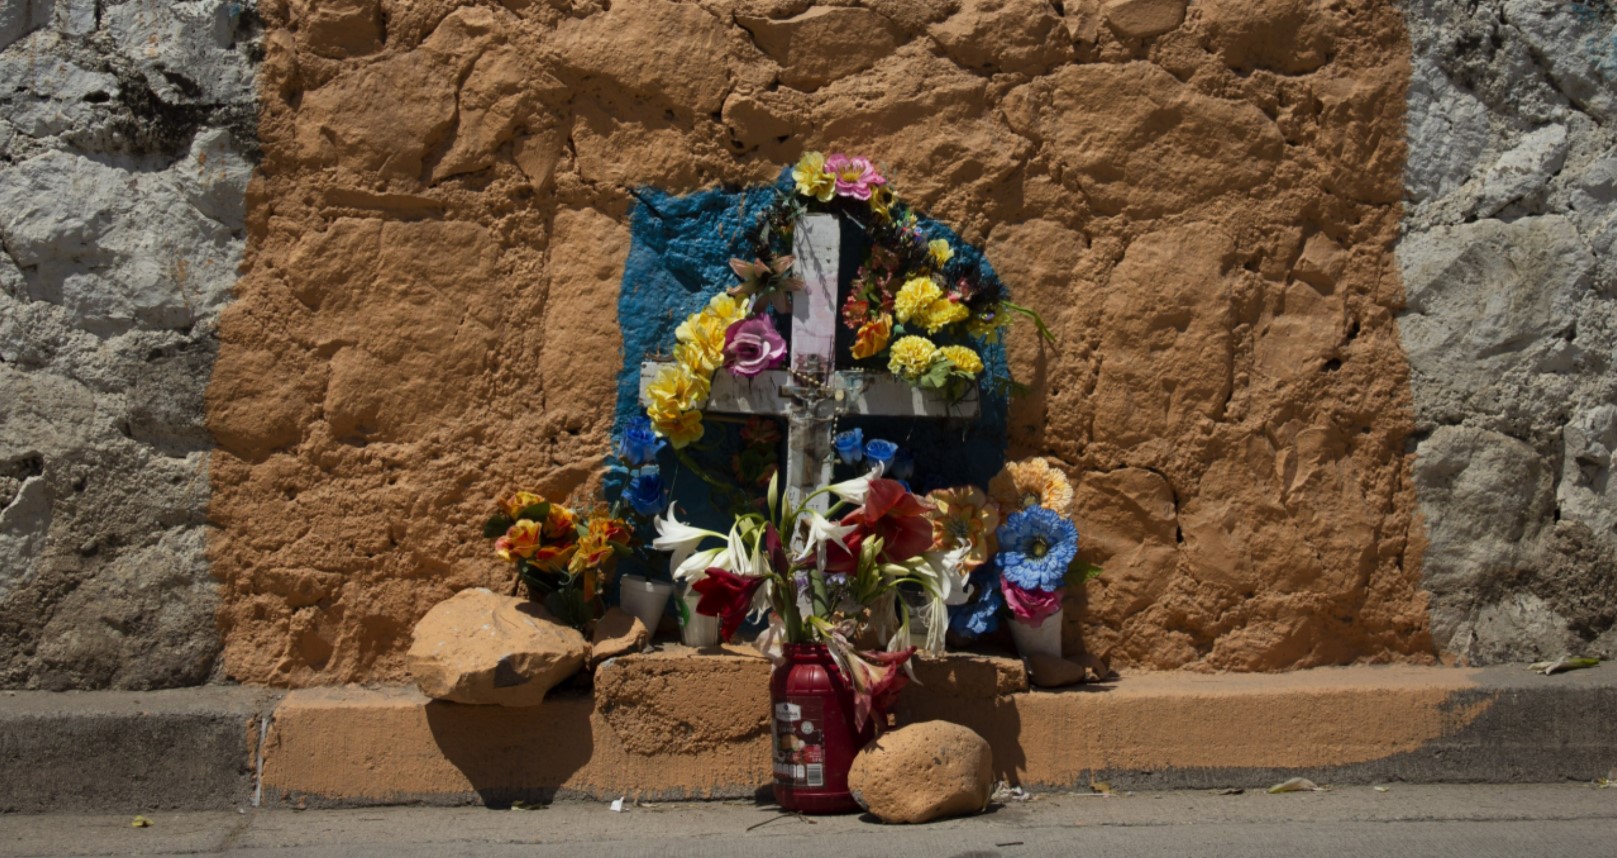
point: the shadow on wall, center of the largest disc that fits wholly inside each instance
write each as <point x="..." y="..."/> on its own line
<point x="513" y="754"/>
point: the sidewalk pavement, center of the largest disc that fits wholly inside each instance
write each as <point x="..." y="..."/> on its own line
<point x="653" y="729"/>
<point x="1473" y="821"/>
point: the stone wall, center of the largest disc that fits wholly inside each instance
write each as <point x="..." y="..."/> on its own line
<point x="126" y="133"/>
<point x="1202" y="202"/>
<point x="1511" y="329"/>
<point x="1325" y="397"/>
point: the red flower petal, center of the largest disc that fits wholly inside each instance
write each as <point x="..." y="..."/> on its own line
<point x="727" y="596"/>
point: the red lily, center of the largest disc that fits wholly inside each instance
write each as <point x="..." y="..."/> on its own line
<point x="879" y="677"/>
<point x="727" y="596"/>
<point x="892" y="514"/>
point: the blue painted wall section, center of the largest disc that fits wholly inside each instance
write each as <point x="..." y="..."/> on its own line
<point x="679" y="258"/>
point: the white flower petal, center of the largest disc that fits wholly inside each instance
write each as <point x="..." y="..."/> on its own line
<point x="679" y="538"/>
<point x="695" y="566"/>
<point x="853" y="491"/>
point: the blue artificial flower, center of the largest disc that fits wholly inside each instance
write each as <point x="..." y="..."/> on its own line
<point x="850" y="446"/>
<point x="1036" y="545"/>
<point x="639" y="444"/>
<point x="880" y="452"/>
<point x="645" y="492"/>
<point x="979" y="616"/>
<point x="903" y="465"/>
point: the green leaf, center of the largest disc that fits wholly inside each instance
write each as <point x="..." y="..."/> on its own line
<point x="936" y="375"/>
<point x="535" y="512"/>
<point x="774" y="496"/>
<point x="1080" y="573"/>
<point x="497" y="525"/>
<point x="1032" y="314"/>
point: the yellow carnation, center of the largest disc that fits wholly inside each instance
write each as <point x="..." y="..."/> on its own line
<point x="941" y="313"/>
<point x="940" y="250"/>
<point x="914" y="297"/>
<point x="812" y="179"/>
<point x="910" y="357"/>
<point x="964" y="360"/>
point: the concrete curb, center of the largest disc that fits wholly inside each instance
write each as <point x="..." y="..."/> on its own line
<point x="191" y="749"/>
<point x="224" y="747"/>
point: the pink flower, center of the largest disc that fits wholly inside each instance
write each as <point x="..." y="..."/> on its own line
<point x="855" y="177"/>
<point x="1030" y="606"/>
<point x="752" y="345"/>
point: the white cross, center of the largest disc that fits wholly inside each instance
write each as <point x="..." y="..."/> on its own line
<point x="811" y="409"/>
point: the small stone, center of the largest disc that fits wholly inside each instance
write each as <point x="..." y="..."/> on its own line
<point x="1141" y="19"/>
<point x="923" y="771"/>
<point x="480" y="647"/>
<point x="1047" y="671"/>
<point x="617" y="632"/>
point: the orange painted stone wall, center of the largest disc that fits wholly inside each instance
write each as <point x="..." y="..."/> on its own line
<point x="1202" y="202"/>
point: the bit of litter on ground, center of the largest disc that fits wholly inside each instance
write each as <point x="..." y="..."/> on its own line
<point x="1296" y="785"/>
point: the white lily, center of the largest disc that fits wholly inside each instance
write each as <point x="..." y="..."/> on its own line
<point x="950" y="573"/>
<point x="853" y="491"/>
<point x="695" y="566"/>
<point x="822" y="531"/>
<point x="679" y="538"/>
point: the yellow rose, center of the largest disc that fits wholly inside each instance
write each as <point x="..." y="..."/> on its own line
<point x="676" y="389"/>
<point x="872" y="337"/>
<point x="521" y="501"/>
<point x="914" y="297"/>
<point x="680" y="429"/>
<point x="941" y="313"/>
<point x="940" y="250"/>
<point x="812" y="179"/>
<point x="964" y="360"/>
<point x="521" y="540"/>
<point x="726" y="309"/>
<point x="910" y="357"/>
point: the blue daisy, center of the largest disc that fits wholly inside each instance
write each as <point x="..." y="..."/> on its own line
<point x="1036" y="545"/>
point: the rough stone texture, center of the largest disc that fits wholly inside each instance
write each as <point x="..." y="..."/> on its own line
<point x="126" y="135"/>
<point x="617" y="633"/>
<point x="438" y="228"/>
<point x="923" y="771"/>
<point x="480" y="647"/>
<point x="1511" y="326"/>
<point x="664" y="703"/>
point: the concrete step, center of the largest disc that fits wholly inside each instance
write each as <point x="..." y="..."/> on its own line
<point x="679" y="724"/>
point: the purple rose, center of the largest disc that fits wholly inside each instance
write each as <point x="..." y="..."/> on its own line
<point x="752" y="345"/>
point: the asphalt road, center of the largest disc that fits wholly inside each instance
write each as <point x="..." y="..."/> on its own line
<point x="1553" y="820"/>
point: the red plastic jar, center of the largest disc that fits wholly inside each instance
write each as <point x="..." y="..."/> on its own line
<point x="815" y="741"/>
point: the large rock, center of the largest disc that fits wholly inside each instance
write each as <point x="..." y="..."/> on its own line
<point x="922" y="772"/>
<point x="616" y="633"/>
<point x="480" y="647"/>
